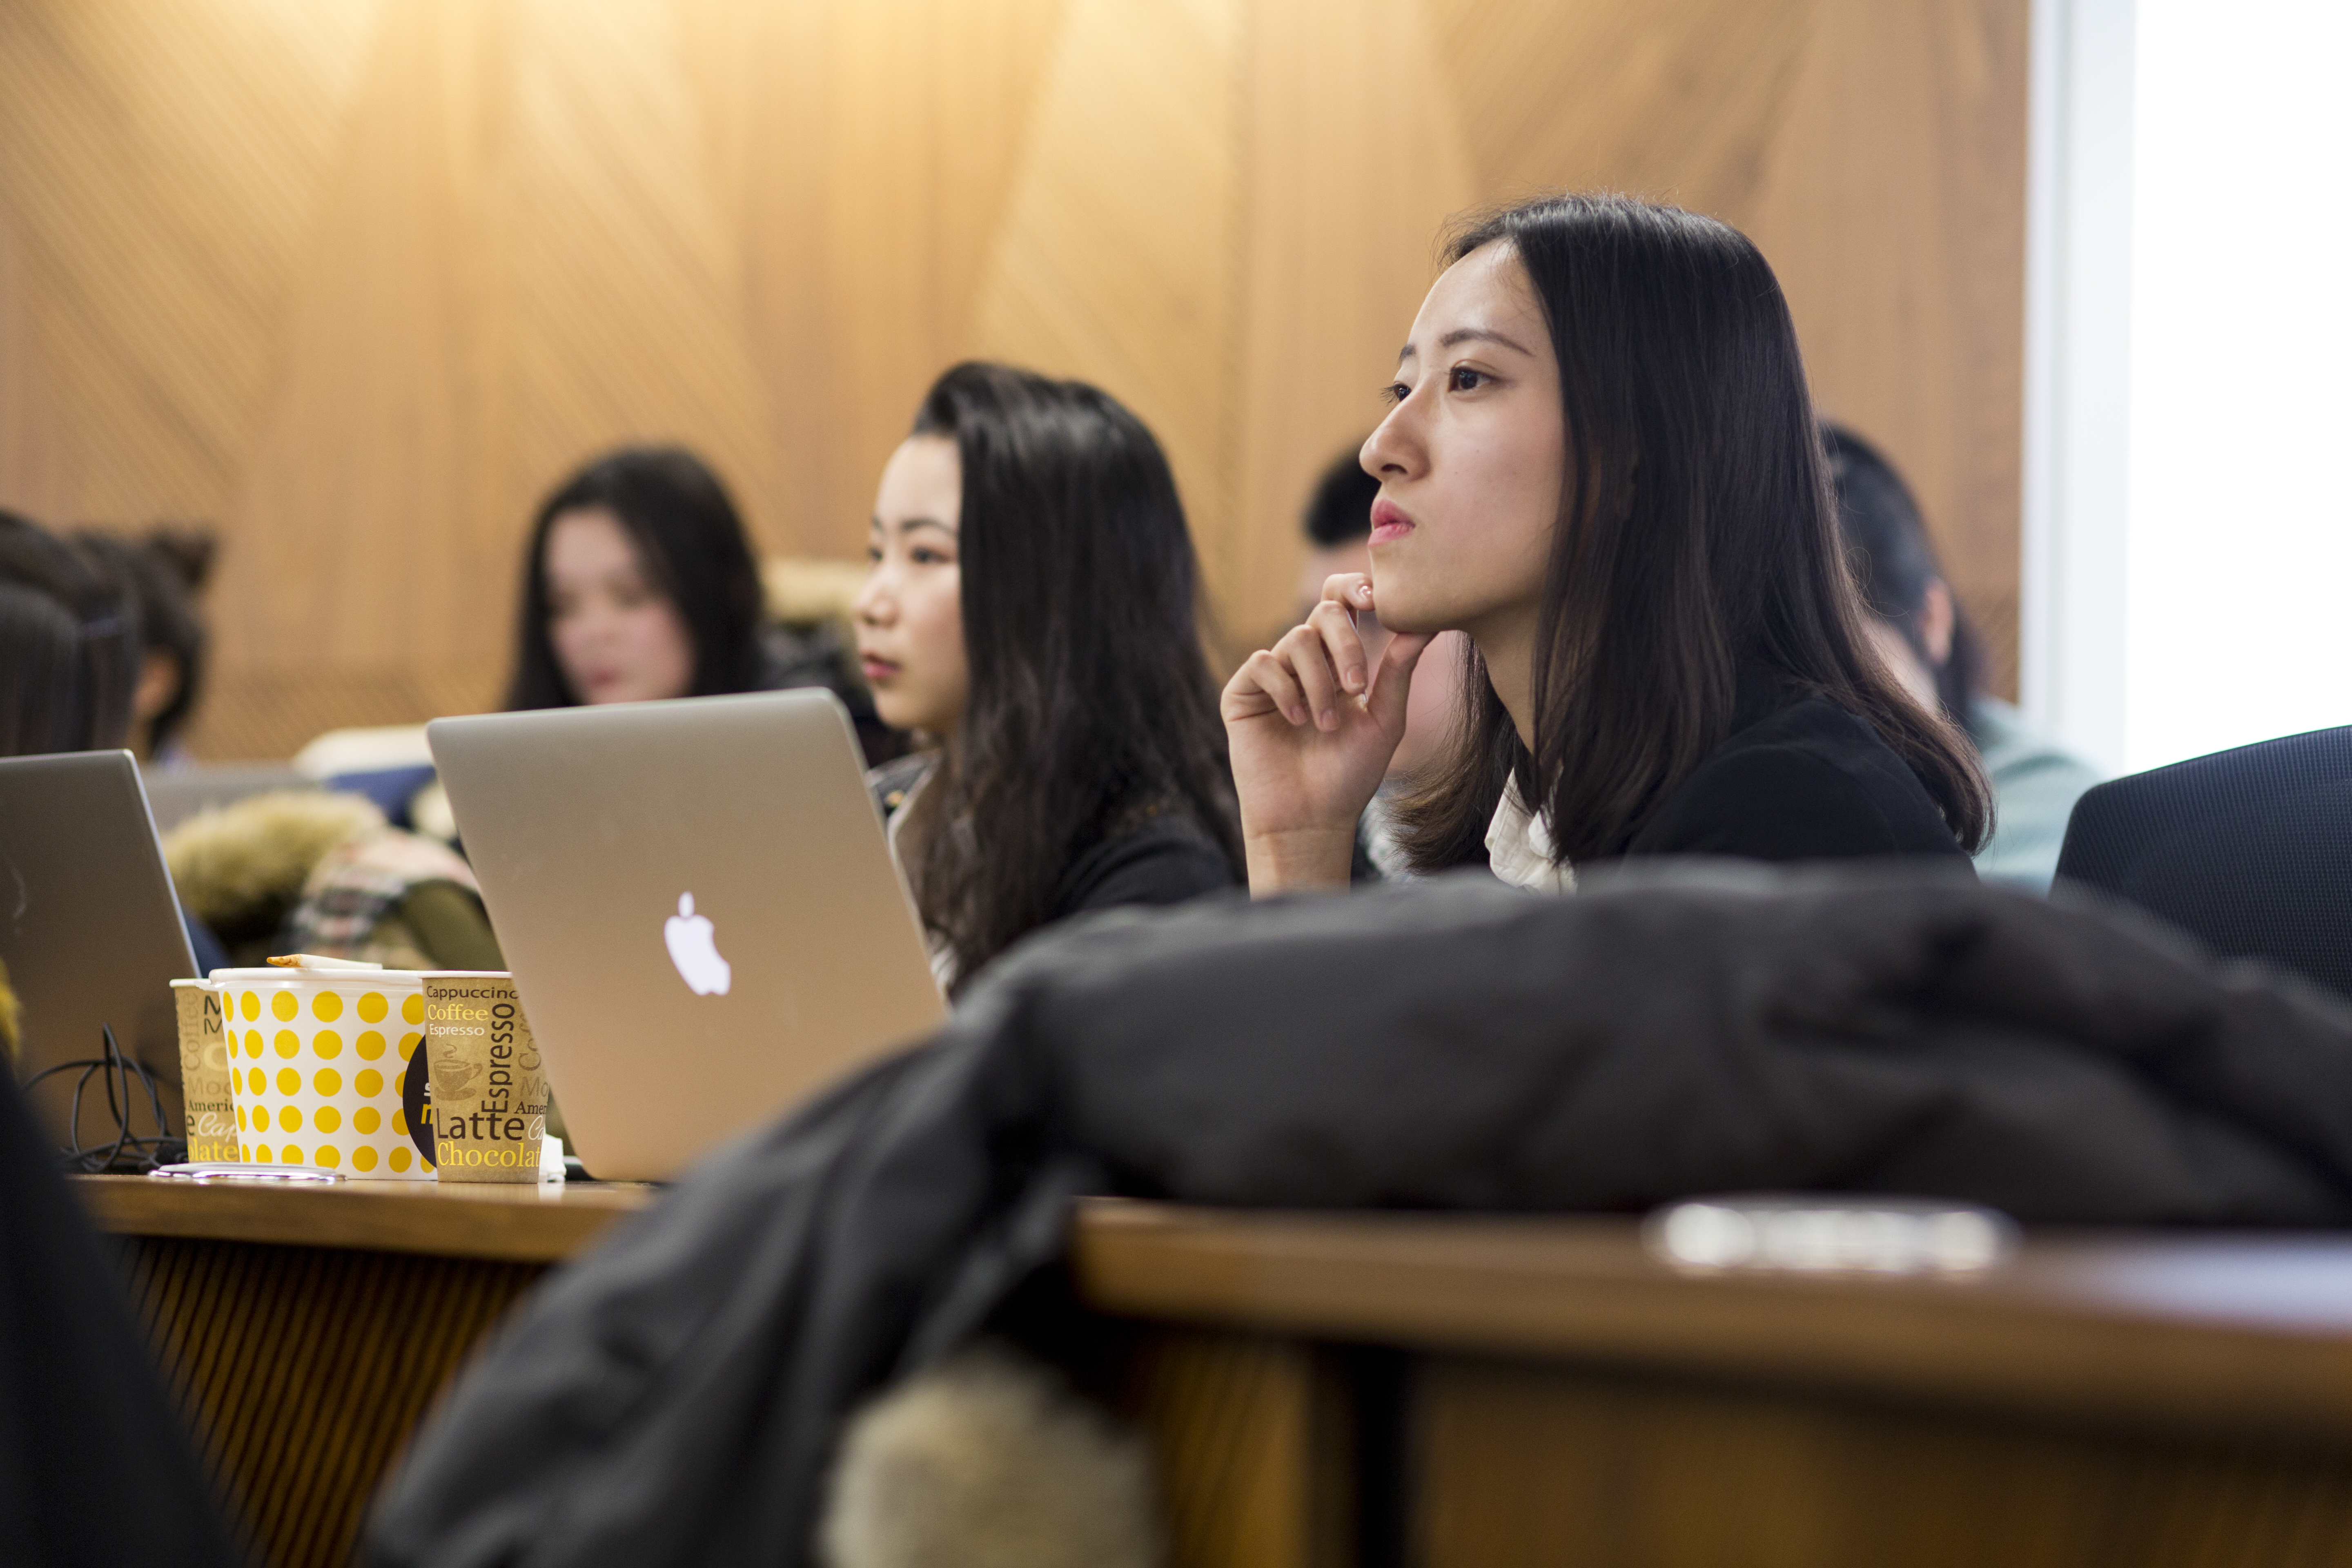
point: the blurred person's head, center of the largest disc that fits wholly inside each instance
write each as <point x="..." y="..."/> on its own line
<point x="41" y="707"/>
<point x="1339" y="528"/>
<point x="639" y="584"/>
<point x="1916" y="623"/>
<point x="1033" y="606"/>
<point x="106" y="618"/>
<point x="163" y="570"/>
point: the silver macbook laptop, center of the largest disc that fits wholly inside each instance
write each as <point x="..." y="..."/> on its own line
<point x="698" y="908"/>
<point x="175" y="795"/>
<point x="91" y="932"/>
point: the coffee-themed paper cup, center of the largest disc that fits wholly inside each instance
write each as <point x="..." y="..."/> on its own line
<point x="207" y="1098"/>
<point x="317" y="1057"/>
<point x="490" y="1088"/>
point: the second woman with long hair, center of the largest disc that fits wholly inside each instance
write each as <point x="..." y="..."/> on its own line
<point x="1032" y="610"/>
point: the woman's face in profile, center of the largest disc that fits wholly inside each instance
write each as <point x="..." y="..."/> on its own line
<point x="1470" y="458"/>
<point x="617" y="639"/>
<point x="911" y="612"/>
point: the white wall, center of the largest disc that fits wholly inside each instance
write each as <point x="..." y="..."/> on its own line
<point x="2189" y="532"/>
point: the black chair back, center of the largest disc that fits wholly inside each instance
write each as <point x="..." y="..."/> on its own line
<point x="2248" y="851"/>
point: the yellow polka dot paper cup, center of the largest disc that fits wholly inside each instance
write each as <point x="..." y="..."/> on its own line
<point x="317" y="1057"/>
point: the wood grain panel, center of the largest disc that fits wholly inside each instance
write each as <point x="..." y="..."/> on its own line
<point x="361" y="280"/>
<point x="1522" y="1464"/>
<point x="1248" y="1445"/>
<point x="501" y="1222"/>
<point x="163" y="161"/>
<point x="1893" y="207"/>
<point x="1117" y="257"/>
<point x="1678" y="101"/>
<point x="1355" y="162"/>
<point x="36" y="465"/>
<point x="861" y="154"/>
<point x="302" y="1371"/>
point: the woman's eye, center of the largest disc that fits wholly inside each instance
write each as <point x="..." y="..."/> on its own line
<point x="874" y="555"/>
<point x="1394" y="392"/>
<point x="1462" y="378"/>
<point x="924" y="555"/>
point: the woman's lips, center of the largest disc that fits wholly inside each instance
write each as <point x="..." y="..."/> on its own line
<point x="1389" y="522"/>
<point x="876" y="668"/>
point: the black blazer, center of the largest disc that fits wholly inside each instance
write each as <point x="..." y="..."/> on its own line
<point x="1799" y="778"/>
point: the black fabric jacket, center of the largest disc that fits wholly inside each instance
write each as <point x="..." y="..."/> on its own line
<point x="1799" y="778"/>
<point x="676" y="1397"/>
<point x="1164" y="859"/>
<point x="95" y="1465"/>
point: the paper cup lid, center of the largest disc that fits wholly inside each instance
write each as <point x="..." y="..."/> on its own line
<point x="357" y="976"/>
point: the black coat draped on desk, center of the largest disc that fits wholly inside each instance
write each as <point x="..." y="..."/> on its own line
<point x="677" y="1397"/>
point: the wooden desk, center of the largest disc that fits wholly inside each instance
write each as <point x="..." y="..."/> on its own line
<point x="1549" y="1394"/>
<point x="305" y="1329"/>
<point x="1435" y="1389"/>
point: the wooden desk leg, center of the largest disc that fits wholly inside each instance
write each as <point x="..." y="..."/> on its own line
<point x="1526" y="1463"/>
<point x="302" y="1371"/>
<point x="1250" y="1436"/>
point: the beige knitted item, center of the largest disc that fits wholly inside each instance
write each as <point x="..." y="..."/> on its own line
<point x="989" y="1461"/>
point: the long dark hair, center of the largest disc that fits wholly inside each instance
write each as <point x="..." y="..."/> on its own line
<point x="41" y="707"/>
<point x="691" y="542"/>
<point x="106" y="669"/>
<point x="1696" y="536"/>
<point x="163" y="570"/>
<point x="1894" y="561"/>
<point x="1090" y="703"/>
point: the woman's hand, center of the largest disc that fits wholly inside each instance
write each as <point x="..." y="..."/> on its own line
<point x="1312" y="723"/>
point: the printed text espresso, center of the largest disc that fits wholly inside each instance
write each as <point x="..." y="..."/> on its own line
<point x="489" y="1100"/>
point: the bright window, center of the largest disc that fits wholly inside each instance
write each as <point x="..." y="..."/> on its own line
<point x="2238" y="622"/>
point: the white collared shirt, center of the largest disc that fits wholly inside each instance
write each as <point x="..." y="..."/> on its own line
<point x="1519" y="847"/>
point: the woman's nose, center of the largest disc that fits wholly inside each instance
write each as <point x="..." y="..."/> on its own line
<point x="1393" y="447"/>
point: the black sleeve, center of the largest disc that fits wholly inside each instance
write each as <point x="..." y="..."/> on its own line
<point x="1788" y="802"/>
<point x="1163" y="863"/>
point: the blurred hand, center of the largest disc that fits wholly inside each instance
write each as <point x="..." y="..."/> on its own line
<point x="1311" y="724"/>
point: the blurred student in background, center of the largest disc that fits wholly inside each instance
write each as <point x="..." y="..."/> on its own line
<point x="1925" y="637"/>
<point x="41" y="673"/>
<point x="1601" y="463"/>
<point x="639" y="584"/>
<point x="163" y="572"/>
<point x="1031" y="612"/>
<point x="1338" y="527"/>
<point x="98" y="704"/>
<point x="69" y="653"/>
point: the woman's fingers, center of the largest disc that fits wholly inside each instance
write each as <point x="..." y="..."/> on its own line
<point x="1352" y="589"/>
<point x="1392" y="680"/>
<point x="1342" y="644"/>
<point x="1262" y="678"/>
<point x="1302" y="652"/>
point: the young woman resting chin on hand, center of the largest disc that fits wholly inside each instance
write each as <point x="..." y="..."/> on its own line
<point x="1601" y="463"/>
<point x="1031" y="611"/>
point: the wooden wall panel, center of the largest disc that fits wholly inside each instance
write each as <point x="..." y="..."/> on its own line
<point x="162" y="162"/>
<point x="360" y="278"/>
<point x="1893" y="207"/>
<point x="1357" y="160"/>
<point x="1679" y="101"/>
<point x="861" y="154"/>
<point x="1117" y="257"/>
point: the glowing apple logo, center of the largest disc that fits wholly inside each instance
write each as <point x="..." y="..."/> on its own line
<point x="689" y="935"/>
